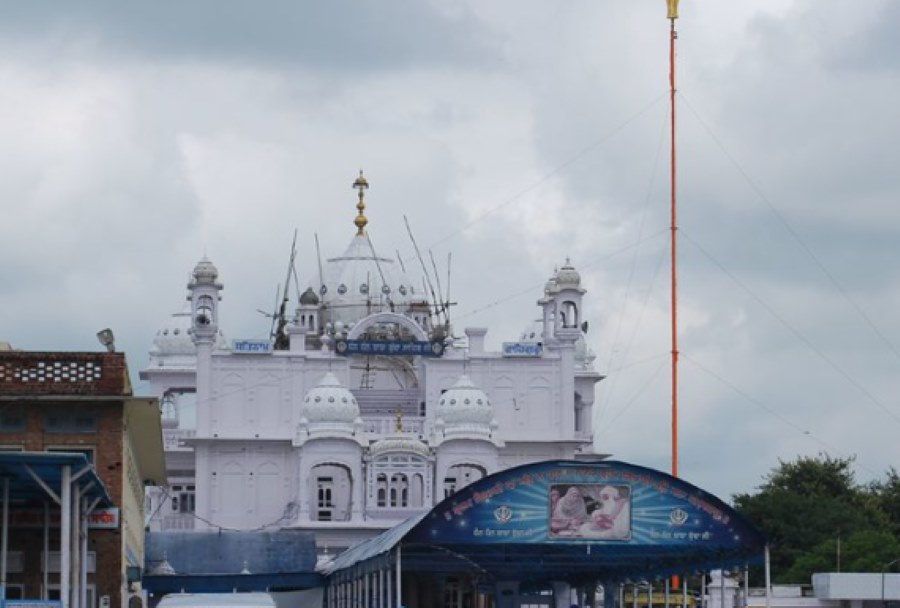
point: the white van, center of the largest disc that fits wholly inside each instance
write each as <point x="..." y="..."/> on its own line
<point x="217" y="600"/>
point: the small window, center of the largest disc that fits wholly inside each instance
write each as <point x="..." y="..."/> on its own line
<point x="70" y="421"/>
<point x="183" y="498"/>
<point x="325" y="498"/>
<point x="449" y="486"/>
<point x="12" y="419"/>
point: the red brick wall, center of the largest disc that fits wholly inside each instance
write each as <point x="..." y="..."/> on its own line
<point x="61" y="373"/>
<point x="107" y="443"/>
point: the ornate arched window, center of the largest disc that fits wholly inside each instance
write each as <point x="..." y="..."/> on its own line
<point x="399" y="481"/>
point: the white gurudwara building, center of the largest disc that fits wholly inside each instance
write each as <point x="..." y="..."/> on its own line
<point x="362" y="409"/>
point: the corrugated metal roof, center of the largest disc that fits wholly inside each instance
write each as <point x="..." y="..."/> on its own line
<point x="376" y="545"/>
<point x="47" y="466"/>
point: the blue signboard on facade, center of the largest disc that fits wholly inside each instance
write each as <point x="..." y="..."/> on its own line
<point x="251" y="346"/>
<point x="522" y="349"/>
<point x="602" y="502"/>
<point x="389" y="348"/>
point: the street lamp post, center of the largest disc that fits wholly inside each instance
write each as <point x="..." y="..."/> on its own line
<point x="884" y="569"/>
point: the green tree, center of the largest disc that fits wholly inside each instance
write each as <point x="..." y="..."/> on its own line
<point x="887" y="496"/>
<point x="803" y="506"/>
<point x="865" y="551"/>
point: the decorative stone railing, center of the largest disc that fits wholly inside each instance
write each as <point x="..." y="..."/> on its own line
<point x="387" y="425"/>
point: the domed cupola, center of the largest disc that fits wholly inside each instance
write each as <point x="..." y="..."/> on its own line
<point x="399" y="442"/>
<point x="464" y="411"/>
<point x="550" y="287"/>
<point x="567" y="277"/>
<point x="329" y="409"/>
<point x="173" y="344"/>
<point x="309" y="298"/>
<point x="205" y="273"/>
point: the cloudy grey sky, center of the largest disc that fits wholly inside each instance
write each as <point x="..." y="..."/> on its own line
<point x="136" y="139"/>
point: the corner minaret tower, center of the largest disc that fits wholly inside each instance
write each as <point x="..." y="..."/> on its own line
<point x="563" y="303"/>
<point x="203" y="293"/>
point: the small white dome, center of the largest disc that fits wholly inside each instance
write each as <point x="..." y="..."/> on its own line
<point x="309" y="298"/>
<point x="205" y="272"/>
<point x="567" y="276"/>
<point x="330" y="403"/>
<point x="174" y="336"/>
<point x="465" y="410"/>
<point x="399" y="443"/>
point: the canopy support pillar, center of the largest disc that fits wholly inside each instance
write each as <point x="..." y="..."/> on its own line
<point x="65" y="536"/>
<point x="5" y="541"/>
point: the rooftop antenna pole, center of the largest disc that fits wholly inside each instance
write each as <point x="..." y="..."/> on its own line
<point x="672" y="6"/>
<point x="319" y="260"/>
<point x="447" y="308"/>
<point x="424" y="269"/>
<point x="281" y="340"/>
<point x="321" y="282"/>
<point x="437" y="278"/>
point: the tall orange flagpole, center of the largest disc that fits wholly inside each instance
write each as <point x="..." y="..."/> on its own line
<point x="672" y="14"/>
<point x="672" y="6"/>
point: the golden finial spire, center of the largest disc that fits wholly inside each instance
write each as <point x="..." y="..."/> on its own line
<point x="672" y="6"/>
<point x="361" y="185"/>
<point x="399" y="416"/>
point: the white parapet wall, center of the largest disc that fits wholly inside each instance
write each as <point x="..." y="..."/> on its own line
<point x="872" y="586"/>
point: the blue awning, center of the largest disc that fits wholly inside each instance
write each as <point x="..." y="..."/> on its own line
<point x="32" y="474"/>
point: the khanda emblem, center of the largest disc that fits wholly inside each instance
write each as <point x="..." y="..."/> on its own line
<point x="678" y="517"/>
<point x="503" y="514"/>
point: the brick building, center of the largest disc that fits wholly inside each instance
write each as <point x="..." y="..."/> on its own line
<point x="76" y="403"/>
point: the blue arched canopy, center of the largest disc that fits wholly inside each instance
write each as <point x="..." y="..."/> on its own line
<point x="574" y="521"/>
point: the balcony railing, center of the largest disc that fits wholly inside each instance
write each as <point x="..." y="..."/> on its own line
<point x="387" y="425"/>
<point x="178" y="521"/>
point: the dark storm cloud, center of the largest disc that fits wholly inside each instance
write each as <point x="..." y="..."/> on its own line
<point x="327" y="35"/>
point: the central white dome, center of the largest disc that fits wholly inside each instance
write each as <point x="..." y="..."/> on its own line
<point x="358" y="283"/>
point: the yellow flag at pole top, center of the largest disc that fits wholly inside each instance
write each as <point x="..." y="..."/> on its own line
<point x="673" y="9"/>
